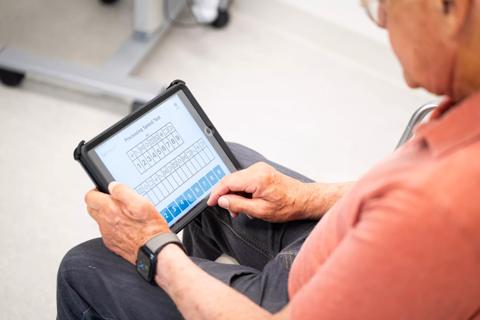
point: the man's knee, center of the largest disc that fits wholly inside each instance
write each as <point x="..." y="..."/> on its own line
<point x="245" y="156"/>
<point x="84" y="264"/>
<point x="75" y="263"/>
<point x="90" y="276"/>
<point x="82" y="254"/>
<point x="73" y="276"/>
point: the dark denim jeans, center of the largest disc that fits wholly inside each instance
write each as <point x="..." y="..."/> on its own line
<point x="94" y="283"/>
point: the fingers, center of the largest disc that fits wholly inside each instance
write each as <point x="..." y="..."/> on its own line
<point x="96" y="199"/>
<point x="134" y="202"/>
<point x="106" y="211"/>
<point x="93" y="213"/>
<point x="123" y="218"/>
<point x="235" y="204"/>
<point x="122" y="192"/>
<point x="101" y="206"/>
<point x="240" y="181"/>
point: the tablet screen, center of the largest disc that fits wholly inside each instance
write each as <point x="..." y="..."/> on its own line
<point x="167" y="155"/>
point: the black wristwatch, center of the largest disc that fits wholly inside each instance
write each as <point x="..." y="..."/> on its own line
<point x="147" y="254"/>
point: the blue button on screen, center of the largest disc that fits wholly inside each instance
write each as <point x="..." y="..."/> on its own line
<point x="197" y="189"/>
<point x="166" y="215"/>
<point x="182" y="203"/>
<point x="212" y="178"/>
<point x="205" y="184"/>
<point x="174" y="209"/>
<point x="189" y="196"/>
<point x="219" y="172"/>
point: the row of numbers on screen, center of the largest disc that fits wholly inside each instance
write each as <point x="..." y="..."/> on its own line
<point x="156" y="147"/>
<point x="197" y="190"/>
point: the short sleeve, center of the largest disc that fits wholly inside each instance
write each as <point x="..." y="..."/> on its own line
<point x="399" y="261"/>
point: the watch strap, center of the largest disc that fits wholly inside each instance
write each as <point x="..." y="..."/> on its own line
<point x="157" y="243"/>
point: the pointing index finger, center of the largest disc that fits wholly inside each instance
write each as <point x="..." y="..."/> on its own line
<point x="217" y="192"/>
<point x="239" y="181"/>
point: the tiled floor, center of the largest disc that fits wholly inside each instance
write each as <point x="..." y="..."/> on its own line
<point x="304" y="90"/>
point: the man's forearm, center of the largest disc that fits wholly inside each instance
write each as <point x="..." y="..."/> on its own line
<point x="197" y="294"/>
<point x="318" y="198"/>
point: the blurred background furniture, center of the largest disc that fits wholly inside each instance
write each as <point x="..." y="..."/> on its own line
<point x="152" y="20"/>
<point x="418" y="116"/>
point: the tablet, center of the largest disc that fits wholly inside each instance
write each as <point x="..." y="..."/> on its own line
<point x="168" y="151"/>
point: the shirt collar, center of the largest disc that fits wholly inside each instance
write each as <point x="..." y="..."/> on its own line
<point x="452" y="125"/>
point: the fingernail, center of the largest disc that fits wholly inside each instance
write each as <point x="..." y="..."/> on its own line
<point x="223" y="202"/>
<point x="111" y="185"/>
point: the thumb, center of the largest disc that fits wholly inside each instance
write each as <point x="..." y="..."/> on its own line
<point x="235" y="203"/>
<point x="129" y="198"/>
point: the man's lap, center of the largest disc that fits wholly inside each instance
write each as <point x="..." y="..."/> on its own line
<point x="95" y="280"/>
<point x="252" y="242"/>
<point x="92" y="279"/>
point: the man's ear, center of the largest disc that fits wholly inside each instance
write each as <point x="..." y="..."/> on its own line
<point x="456" y="13"/>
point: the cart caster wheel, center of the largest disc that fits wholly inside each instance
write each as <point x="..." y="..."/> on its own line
<point x="136" y="105"/>
<point x="108" y="2"/>
<point x="222" y="19"/>
<point x="11" y="78"/>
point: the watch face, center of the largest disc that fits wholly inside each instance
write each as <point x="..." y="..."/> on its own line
<point x="144" y="264"/>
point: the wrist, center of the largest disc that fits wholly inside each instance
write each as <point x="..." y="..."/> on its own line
<point x="318" y="198"/>
<point x="309" y="200"/>
<point x="302" y="201"/>
<point x="166" y="259"/>
<point x="147" y="255"/>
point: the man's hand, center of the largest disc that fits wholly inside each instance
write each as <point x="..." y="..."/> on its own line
<point x="126" y="219"/>
<point x="275" y="196"/>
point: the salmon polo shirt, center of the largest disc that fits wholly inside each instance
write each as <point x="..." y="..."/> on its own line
<point x="404" y="243"/>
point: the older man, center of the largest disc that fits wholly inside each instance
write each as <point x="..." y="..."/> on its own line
<point x="401" y="243"/>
